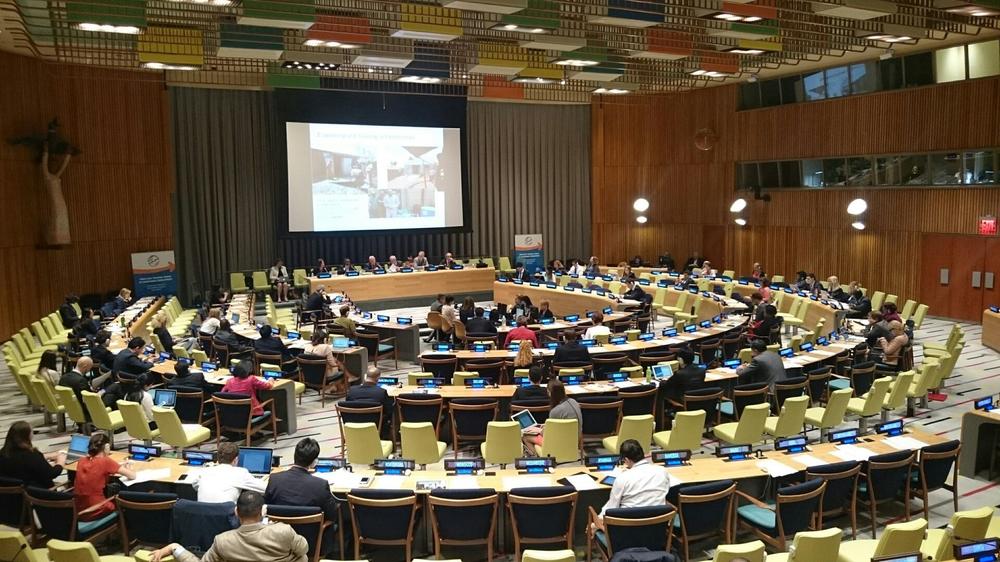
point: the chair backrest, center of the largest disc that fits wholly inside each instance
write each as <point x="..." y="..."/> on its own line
<point x="876" y="396"/>
<point x="383" y="515"/>
<point x="362" y="443"/>
<point x="900" y="538"/>
<point x="888" y="474"/>
<point x="798" y="504"/>
<point x="419" y="442"/>
<point x="687" y="430"/>
<point x="503" y="442"/>
<point x="745" y="552"/>
<point x="608" y="363"/>
<point x="69" y="402"/>
<point x="816" y="546"/>
<point x="135" y="420"/>
<point x="169" y="425"/>
<point x="48" y="397"/>
<point x="936" y="462"/>
<point x="190" y="403"/>
<point x="237" y="281"/>
<point x="471" y="416"/>
<point x="65" y="551"/>
<point x="441" y="365"/>
<point x="54" y="511"/>
<point x="638" y="400"/>
<point x="487" y="369"/>
<point x="360" y="411"/>
<point x="420" y="408"/>
<point x="897" y="393"/>
<point x="819" y="381"/>
<point x="973" y="524"/>
<point x="751" y="424"/>
<point x="919" y="315"/>
<point x="313" y="369"/>
<point x="748" y="394"/>
<point x="601" y="416"/>
<point x="639" y="428"/>
<point x="196" y="524"/>
<point x="13" y="546"/>
<point x="862" y="377"/>
<point x="12" y="511"/>
<point x="562" y="439"/>
<point x="789" y="388"/>
<point x="706" y="399"/>
<point x="232" y="410"/>
<point x="841" y="484"/>
<point x="836" y="407"/>
<point x="792" y="416"/>
<point x="538" y="408"/>
<point x="638" y="527"/>
<point x="464" y="514"/>
<point x="705" y="508"/>
<point x="95" y="406"/>
<point x="542" y="513"/>
<point x="306" y="520"/>
<point x="148" y="517"/>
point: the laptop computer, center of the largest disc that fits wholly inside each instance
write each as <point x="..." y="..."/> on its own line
<point x="528" y="424"/>
<point x="662" y="372"/>
<point x="164" y="398"/>
<point x="78" y="445"/>
<point x="257" y="460"/>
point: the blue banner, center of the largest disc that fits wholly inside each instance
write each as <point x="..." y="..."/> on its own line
<point x="154" y="273"/>
<point x="529" y="250"/>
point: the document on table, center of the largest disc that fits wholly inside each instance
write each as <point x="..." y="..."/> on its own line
<point x="807" y="460"/>
<point x="582" y="482"/>
<point x="852" y="453"/>
<point x="389" y="482"/>
<point x="463" y="482"/>
<point x="148" y="475"/>
<point x="343" y="479"/>
<point x="511" y="482"/>
<point x="775" y="469"/>
<point x="904" y="443"/>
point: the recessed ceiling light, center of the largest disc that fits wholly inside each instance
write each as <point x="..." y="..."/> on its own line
<point x="738" y="205"/>
<point x="305" y="65"/>
<point x="857" y="207"/>
<point x="641" y="204"/>
<point x="162" y="66"/>
<point x="106" y="28"/>
<point x="726" y="16"/>
<point x="708" y="73"/>
<point x="641" y="219"/>
<point x="746" y="51"/>
<point x="858" y="225"/>
<point x="577" y="62"/>
<point x="611" y="91"/>
<point x="419" y="79"/>
<point x="741" y="221"/>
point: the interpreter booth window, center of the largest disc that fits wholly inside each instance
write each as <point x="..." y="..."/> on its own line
<point x="791" y="173"/>
<point x="918" y="69"/>
<point x="946" y="169"/>
<point x="815" y="86"/>
<point x="949" y="64"/>
<point x="770" y="93"/>
<point x="791" y="89"/>
<point x="980" y="168"/>
<point x="890" y="74"/>
<point x="748" y="176"/>
<point x="984" y="59"/>
<point x="901" y="170"/>
<point x="859" y="172"/>
<point x="838" y="82"/>
<point x="864" y="77"/>
<point x="812" y="173"/>
<point x="749" y="96"/>
<point x="769" y="174"/>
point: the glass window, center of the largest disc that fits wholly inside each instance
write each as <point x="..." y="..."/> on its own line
<point x="946" y="169"/>
<point x="859" y="172"/>
<point x="901" y="170"/>
<point x="815" y="86"/>
<point x="949" y="64"/>
<point x="984" y="59"/>
<point x="834" y="172"/>
<point x="812" y="173"/>
<point x="791" y="89"/>
<point x="749" y="96"/>
<point x="770" y="93"/>
<point x="918" y="69"/>
<point x="979" y="168"/>
<point x="890" y="72"/>
<point x="837" y="82"/>
<point x="791" y="173"/>
<point x="863" y="78"/>
<point x="749" y="178"/>
<point x="769" y="174"/>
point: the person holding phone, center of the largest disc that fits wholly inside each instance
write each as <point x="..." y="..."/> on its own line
<point x="641" y="484"/>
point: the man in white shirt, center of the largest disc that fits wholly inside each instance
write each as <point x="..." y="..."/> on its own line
<point x="224" y="481"/>
<point x="598" y="329"/>
<point x="576" y="268"/>
<point x="642" y="484"/>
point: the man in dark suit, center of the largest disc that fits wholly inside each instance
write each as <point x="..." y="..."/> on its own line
<point x="479" y="324"/>
<point x="690" y="376"/>
<point x="571" y="350"/>
<point x="77" y="378"/>
<point x="535" y="391"/>
<point x="68" y="312"/>
<point x="766" y="366"/>
<point x="521" y="273"/>
<point x="316" y="303"/>
<point x="296" y="486"/>
<point x="370" y="391"/>
<point x="127" y="361"/>
<point x="635" y="292"/>
<point x="762" y="330"/>
<point x="860" y="305"/>
<point x="184" y="378"/>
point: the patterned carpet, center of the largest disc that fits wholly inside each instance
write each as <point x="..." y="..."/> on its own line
<point x="977" y="374"/>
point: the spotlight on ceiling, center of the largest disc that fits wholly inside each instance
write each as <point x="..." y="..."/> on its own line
<point x="641" y="219"/>
<point x="640" y="205"/>
<point x="741" y="221"/>
<point x="858" y="225"/>
<point x="857" y="207"/>
<point x="738" y="205"/>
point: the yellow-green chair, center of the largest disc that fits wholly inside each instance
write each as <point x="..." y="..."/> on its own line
<point x="638" y="427"/>
<point x="896" y="398"/>
<point x="564" y="555"/>
<point x="970" y="525"/>
<point x="920" y="315"/>
<point x="363" y="444"/>
<point x="135" y="422"/>
<point x="729" y="273"/>
<point x="878" y="299"/>
<point x="29" y="390"/>
<point x="750" y="428"/>
<point x="102" y="417"/>
<point x="633" y="371"/>
<point x="412" y="379"/>
<point x="748" y="551"/>
<point x="261" y="284"/>
<point x="922" y="381"/>
<point x="238" y="283"/>
<point x="503" y="443"/>
<point x="832" y="415"/>
<point x="458" y="377"/>
<point x="180" y="352"/>
<point x="72" y="406"/>
<point x="678" y="306"/>
<point x="790" y="420"/>
<point x="907" y="310"/>
<point x="49" y="401"/>
<point x="870" y="404"/>
<point x="13" y="546"/>
<point x="199" y="356"/>
<point x="176" y="434"/>
<point x="897" y="538"/>
<point x="812" y="546"/>
<point x="419" y="442"/>
<point x="686" y="432"/>
<point x="65" y="551"/>
<point x="300" y="280"/>
<point x="560" y="439"/>
<point x="503" y="264"/>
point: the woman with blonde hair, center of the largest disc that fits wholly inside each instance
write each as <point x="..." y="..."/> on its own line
<point x="525" y="355"/>
<point x="159" y="328"/>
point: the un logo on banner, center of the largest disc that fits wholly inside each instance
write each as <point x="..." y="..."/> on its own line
<point x="529" y="241"/>
<point x="153" y="260"/>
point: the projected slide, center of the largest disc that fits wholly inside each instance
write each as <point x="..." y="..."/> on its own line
<point x="369" y="177"/>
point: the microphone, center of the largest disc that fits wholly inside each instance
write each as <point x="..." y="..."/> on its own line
<point x="19" y="551"/>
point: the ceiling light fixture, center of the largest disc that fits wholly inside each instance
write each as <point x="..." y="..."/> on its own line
<point x="419" y="79"/>
<point x="741" y="221"/>
<point x="641" y="204"/>
<point x="611" y="91"/>
<point x="331" y="44"/>
<point x="303" y="65"/>
<point x="738" y="205"/>
<point x="746" y="51"/>
<point x="107" y="28"/>
<point x="709" y="73"/>
<point x="857" y="207"/>
<point x="641" y="219"/>
<point x="858" y="225"/>
<point x="162" y="66"/>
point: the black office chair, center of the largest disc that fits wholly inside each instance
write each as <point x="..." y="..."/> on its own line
<point x="744" y="395"/>
<point x="648" y="527"/>
<point x="443" y="366"/>
<point x="542" y="516"/>
<point x="788" y="388"/>
<point x="196" y="524"/>
<point x="463" y="518"/>
<point x="146" y="518"/>
<point x="638" y="400"/>
<point x="731" y="347"/>
<point x="608" y="363"/>
<point x="602" y="416"/>
<point x="649" y="358"/>
<point x="797" y="508"/>
<point x="234" y="414"/>
<point x="416" y="408"/>
<point x="538" y="408"/>
<point x="379" y="349"/>
<point x="704" y="399"/>
<point x="934" y="466"/>
<point x="861" y="376"/>
<point x="191" y="407"/>
<point x="819" y="383"/>
<point x="884" y="479"/>
<point x="841" y="493"/>
<point x="13" y="512"/>
<point x="309" y="522"/>
<point x="383" y="517"/>
<point x="312" y="370"/>
<point x="486" y="368"/>
<point x="703" y="511"/>
<point x="56" y="517"/>
<point x="469" y="419"/>
<point x="588" y="368"/>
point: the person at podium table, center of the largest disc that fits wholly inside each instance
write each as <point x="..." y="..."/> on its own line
<point x="278" y="275"/>
<point x="667" y="262"/>
<point x="593" y="267"/>
<point x="694" y="261"/>
<point x="521" y="273"/>
<point x="347" y="266"/>
<point x="758" y="271"/>
<point x="320" y="267"/>
<point x="372" y="264"/>
<point x="393" y="266"/>
<point x="576" y="268"/>
<point x="636" y="261"/>
<point x="448" y="261"/>
<point x="420" y="262"/>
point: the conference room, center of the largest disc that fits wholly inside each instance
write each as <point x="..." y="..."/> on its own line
<point x="481" y="280"/>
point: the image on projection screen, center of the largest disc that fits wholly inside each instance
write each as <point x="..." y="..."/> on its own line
<point x="371" y="177"/>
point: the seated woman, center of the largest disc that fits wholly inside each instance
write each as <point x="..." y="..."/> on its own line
<point x="211" y="324"/>
<point x="561" y="407"/>
<point x="243" y="383"/>
<point x="893" y="346"/>
<point x="278" y="276"/>
<point x="317" y="346"/>
<point x="138" y="391"/>
<point x="48" y="368"/>
<point x="159" y="326"/>
<point x="92" y="472"/>
<point x="21" y="460"/>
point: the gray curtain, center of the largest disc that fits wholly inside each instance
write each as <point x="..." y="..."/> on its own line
<point x="529" y="172"/>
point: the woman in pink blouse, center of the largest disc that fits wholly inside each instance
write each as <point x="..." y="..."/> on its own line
<point x="242" y="383"/>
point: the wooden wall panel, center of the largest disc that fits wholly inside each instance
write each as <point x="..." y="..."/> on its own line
<point x="118" y="191"/>
<point x="644" y="146"/>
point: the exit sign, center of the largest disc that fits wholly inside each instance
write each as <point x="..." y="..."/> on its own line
<point x="988" y="225"/>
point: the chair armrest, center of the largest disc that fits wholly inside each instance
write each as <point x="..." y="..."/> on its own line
<point x="266" y="402"/>
<point x="386" y="340"/>
<point x="753" y="500"/>
<point x="592" y="519"/>
<point x="97" y="506"/>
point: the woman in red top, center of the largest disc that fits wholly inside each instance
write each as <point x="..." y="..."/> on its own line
<point x="92" y="474"/>
<point x="243" y="383"/>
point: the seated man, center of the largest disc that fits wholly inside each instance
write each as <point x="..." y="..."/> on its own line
<point x="641" y="484"/>
<point x="223" y="481"/>
<point x="571" y="350"/>
<point x="296" y="486"/>
<point x="766" y="366"/>
<point x="226" y="335"/>
<point x="635" y="292"/>
<point x="370" y="391"/>
<point x="128" y="362"/>
<point x="860" y="305"/>
<point x="252" y="541"/>
<point x="762" y="330"/>
<point x="598" y="329"/>
<point x="689" y="377"/>
<point x="479" y="324"/>
<point x="521" y="332"/>
<point x="535" y="391"/>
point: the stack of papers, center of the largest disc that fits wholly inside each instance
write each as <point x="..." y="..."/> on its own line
<point x="852" y="453"/>
<point x="148" y="475"/>
<point x="775" y="469"/>
<point x="904" y="443"/>
<point x="582" y="482"/>
<point x="807" y="460"/>
<point x="389" y="482"/>
<point x="463" y="482"/>
<point x="511" y="482"/>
